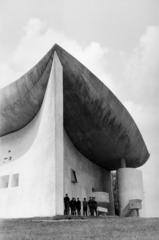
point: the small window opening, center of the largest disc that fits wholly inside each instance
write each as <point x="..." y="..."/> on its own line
<point x="73" y="176"/>
<point x="4" y="181"/>
<point x="15" y="180"/>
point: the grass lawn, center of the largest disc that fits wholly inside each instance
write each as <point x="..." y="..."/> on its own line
<point x="109" y="228"/>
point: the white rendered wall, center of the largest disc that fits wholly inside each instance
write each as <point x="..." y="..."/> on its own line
<point x="42" y="163"/>
<point x="130" y="185"/>
<point x="34" y="150"/>
<point x="89" y="175"/>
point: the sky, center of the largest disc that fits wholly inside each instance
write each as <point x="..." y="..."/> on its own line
<point x="118" y="40"/>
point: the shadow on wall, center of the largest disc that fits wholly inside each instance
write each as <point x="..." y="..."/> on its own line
<point x="16" y="144"/>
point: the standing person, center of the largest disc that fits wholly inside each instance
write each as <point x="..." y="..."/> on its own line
<point x="66" y="204"/>
<point x="72" y="206"/>
<point x="90" y="205"/>
<point x="85" y="204"/>
<point x="78" y="207"/>
<point x="94" y="206"/>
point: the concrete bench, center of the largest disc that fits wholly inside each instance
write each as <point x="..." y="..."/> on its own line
<point x="102" y="211"/>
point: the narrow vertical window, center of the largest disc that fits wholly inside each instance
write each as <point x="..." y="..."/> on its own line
<point x="4" y="181"/>
<point x="73" y="176"/>
<point x="15" y="180"/>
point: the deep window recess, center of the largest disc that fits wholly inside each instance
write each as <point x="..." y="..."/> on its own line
<point x="15" y="180"/>
<point x="73" y="176"/>
<point x="4" y="181"/>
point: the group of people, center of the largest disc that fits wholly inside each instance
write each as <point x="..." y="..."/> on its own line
<point x="73" y="206"/>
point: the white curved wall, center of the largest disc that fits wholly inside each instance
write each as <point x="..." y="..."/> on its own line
<point x="89" y="175"/>
<point x="130" y="184"/>
<point x="42" y="154"/>
<point x="34" y="152"/>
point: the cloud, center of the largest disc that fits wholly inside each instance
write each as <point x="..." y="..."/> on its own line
<point x="141" y="81"/>
<point x="37" y="39"/>
<point x="142" y="72"/>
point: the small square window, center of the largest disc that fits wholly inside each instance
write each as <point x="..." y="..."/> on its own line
<point x="4" y="181"/>
<point x="73" y="176"/>
<point x="15" y="180"/>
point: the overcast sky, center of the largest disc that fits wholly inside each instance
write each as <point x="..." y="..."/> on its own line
<point x="118" y="40"/>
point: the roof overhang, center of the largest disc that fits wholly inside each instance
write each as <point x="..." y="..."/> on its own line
<point x="97" y="123"/>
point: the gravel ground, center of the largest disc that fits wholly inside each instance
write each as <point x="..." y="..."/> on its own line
<point x="108" y="228"/>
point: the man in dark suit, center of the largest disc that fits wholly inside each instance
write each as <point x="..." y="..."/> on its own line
<point x="66" y="204"/>
<point x="85" y="205"/>
<point x="78" y="207"/>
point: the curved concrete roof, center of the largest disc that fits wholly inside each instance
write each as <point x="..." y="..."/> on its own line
<point x="97" y="123"/>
